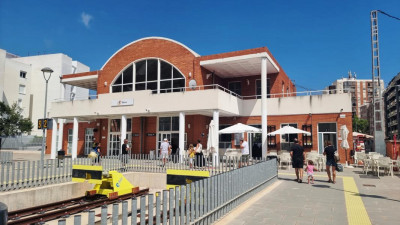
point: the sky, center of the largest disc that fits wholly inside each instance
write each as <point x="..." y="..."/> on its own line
<point x="315" y="42"/>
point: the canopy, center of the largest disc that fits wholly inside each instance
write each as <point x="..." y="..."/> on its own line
<point x="344" y="133"/>
<point x="289" y="130"/>
<point x="239" y="128"/>
<point x="356" y="134"/>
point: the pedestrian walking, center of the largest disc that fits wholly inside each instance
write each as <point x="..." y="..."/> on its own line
<point x="297" y="154"/>
<point x="329" y="152"/>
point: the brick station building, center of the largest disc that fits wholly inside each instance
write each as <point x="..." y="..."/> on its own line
<point x="156" y="88"/>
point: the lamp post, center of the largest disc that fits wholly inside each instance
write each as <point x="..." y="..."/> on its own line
<point x="46" y="71"/>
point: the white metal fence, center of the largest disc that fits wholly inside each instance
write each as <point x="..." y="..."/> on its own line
<point x="201" y="202"/>
<point x="6" y="157"/>
<point x="21" y="142"/>
<point x="27" y="174"/>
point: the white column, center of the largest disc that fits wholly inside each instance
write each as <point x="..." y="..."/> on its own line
<point x="61" y="134"/>
<point x="123" y="132"/>
<point x="181" y="135"/>
<point x="75" y="138"/>
<point x="264" y="106"/>
<point x="54" y="139"/>
<point x="215" y="155"/>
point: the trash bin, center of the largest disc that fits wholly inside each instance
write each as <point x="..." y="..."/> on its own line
<point x="60" y="156"/>
<point x="3" y="213"/>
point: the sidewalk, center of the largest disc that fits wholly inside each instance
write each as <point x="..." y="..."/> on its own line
<point x="354" y="199"/>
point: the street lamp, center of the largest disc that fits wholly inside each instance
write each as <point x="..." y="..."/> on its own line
<point x="46" y="75"/>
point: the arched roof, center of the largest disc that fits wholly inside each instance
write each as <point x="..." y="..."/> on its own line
<point x="147" y="38"/>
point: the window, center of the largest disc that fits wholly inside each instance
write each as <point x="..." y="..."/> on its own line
<point x="22" y="89"/>
<point x="69" y="146"/>
<point x="115" y="125"/>
<point x="168" y="123"/>
<point x="225" y="140"/>
<point x="145" y="75"/>
<point x="258" y="88"/>
<point x="235" y="87"/>
<point x="287" y="139"/>
<point x="22" y="74"/>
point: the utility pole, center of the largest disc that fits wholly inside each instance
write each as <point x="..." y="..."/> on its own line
<point x="379" y="135"/>
<point x="377" y="100"/>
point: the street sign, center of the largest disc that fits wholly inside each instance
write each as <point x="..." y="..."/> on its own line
<point x="45" y="124"/>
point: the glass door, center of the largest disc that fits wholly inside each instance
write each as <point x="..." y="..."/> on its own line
<point x="326" y="132"/>
<point x="255" y="145"/>
<point x="69" y="146"/>
<point x="88" y="140"/>
<point x="115" y="144"/>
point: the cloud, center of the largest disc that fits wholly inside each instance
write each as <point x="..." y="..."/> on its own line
<point x="86" y="18"/>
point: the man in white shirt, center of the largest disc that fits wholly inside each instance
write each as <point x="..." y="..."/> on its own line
<point x="165" y="149"/>
<point x="244" y="146"/>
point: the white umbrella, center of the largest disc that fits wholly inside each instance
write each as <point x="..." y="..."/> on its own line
<point x="212" y="141"/>
<point x="288" y="130"/>
<point x="344" y="132"/>
<point x="345" y="144"/>
<point x="212" y="137"/>
<point x="239" y="128"/>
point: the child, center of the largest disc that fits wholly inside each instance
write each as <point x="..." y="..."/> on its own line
<point x="310" y="171"/>
<point x="191" y="154"/>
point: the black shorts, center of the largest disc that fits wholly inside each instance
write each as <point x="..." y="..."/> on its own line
<point x="298" y="163"/>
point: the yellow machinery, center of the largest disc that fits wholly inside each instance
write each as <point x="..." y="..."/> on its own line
<point x="183" y="177"/>
<point x="112" y="185"/>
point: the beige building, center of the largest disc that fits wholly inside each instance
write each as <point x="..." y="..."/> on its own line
<point x="361" y="91"/>
<point x="22" y="82"/>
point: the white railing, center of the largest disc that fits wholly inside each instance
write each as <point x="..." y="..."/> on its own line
<point x="200" y="202"/>
<point x="27" y="174"/>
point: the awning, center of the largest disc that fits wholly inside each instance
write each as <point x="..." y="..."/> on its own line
<point x="242" y="65"/>
<point x="83" y="80"/>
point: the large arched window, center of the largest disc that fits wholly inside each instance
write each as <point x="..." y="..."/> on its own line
<point x="149" y="74"/>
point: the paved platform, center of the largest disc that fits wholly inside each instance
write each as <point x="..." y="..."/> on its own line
<point x="356" y="198"/>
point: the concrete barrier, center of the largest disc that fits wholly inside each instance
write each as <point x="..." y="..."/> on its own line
<point x="26" y="198"/>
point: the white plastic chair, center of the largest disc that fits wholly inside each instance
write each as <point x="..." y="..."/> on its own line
<point x="386" y="164"/>
<point x="359" y="156"/>
<point x="285" y="158"/>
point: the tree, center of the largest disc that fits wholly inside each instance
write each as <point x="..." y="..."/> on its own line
<point x="360" y="125"/>
<point x="11" y="121"/>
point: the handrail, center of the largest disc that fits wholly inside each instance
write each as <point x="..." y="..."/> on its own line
<point x="219" y="87"/>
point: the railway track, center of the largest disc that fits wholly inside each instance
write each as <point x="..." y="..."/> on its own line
<point x="68" y="207"/>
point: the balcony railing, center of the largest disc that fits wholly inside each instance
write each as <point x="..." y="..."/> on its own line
<point x="219" y="87"/>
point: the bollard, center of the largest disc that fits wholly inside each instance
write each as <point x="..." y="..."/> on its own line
<point x="3" y="213"/>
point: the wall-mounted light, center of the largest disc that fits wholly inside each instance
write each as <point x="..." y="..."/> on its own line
<point x="248" y="82"/>
<point x="98" y="124"/>
<point x="341" y="110"/>
<point x="188" y="125"/>
<point x="207" y="126"/>
<point x="190" y="74"/>
<point x="105" y="83"/>
<point x="208" y="76"/>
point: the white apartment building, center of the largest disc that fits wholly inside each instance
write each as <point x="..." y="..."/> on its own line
<point x="21" y="81"/>
<point x="360" y="89"/>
